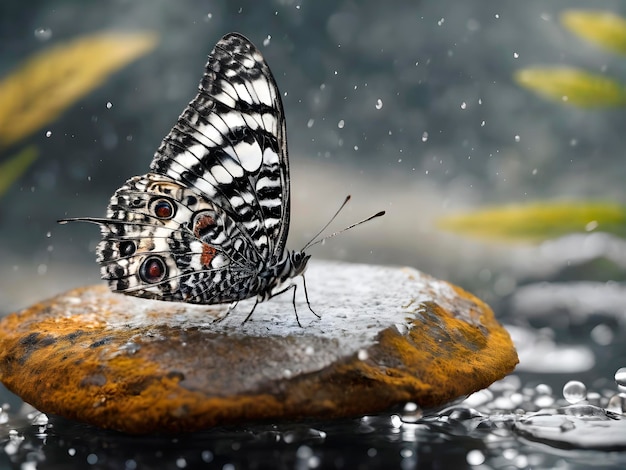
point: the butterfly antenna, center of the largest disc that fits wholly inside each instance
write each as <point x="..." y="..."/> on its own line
<point x="378" y="214"/>
<point x="93" y="220"/>
<point x="310" y="242"/>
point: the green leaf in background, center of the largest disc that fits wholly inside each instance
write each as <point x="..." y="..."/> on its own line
<point x="539" y="221"/>
<point x="601" y="27"/>
<point x="15" y="166"/>
<point x="572" y="86"/>
<point x="47" y="83"/>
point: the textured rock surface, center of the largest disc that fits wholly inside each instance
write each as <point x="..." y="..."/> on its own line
<point x="386" y="336"/>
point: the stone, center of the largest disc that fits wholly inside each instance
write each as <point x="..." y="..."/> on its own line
<point x="386" y="336"/>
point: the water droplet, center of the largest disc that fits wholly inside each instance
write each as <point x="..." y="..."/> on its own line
<point x="340" y="124"/>
<point x="406" y="453"/>
<point x="207" y="456"/>
<point x="544" y="401"/>
<point x="441" y="21"/>
<point x="517" y="138"/>
<point x="424" y="136"/>
<point x="411" y="413"/>
<point x="379" y="103"/>
<point x="71" y="452"/>
<point x="92" y="459"/>
<point x="515" y="55"/>
<point x="620" y="377"/>
<point x="356" y="147"/>
<point x="43" y="34"/>
<point x="542" y="389"/>
<point x="534" y="172"/>
<point x="304" y="452"/>
<point x="463" y="105"/>
<point x="310" y="123"/>
<point x="363" y="355"/>
<point x="591" y="226"/>
<point x="109" y="105"/>
<point x="617" y="403"/>
<point x="41" y="419"/>
<point x="209" y="16"/>
<point x="482" y="124"/>
<point x="574" y="391"/>
<point x="48" y="234"/>
<point x="181" y="462"/>
<point x="48" y="133"/>
<point x="309" y="350"/>
<point x="475" y="457"/>
<point x="266" y="41"/>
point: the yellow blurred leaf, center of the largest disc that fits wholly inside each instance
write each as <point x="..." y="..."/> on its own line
<point x="601" y="27"/>
<point x="540" y="221"/>
<point x="46" y="84"/>
<point x="573" y="86"/>
<point x="15" y="166"/>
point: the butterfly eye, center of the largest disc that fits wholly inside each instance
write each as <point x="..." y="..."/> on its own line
<point x="152" y="270"/>
<point x="127" y="248"/>
<point x="163" y="209"/>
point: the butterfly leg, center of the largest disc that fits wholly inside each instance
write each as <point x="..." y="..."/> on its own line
<point x="306" y="296"/>
<point x="231" y="307"/>
<point x="251" y="311"/>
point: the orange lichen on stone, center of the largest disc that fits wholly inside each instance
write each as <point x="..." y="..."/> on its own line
<point x="143" y="366"/>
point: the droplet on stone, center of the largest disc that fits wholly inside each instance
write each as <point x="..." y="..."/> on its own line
<point x="574" y="391"/>
<point x="379" y="104"/>
<point x="617" y="403"/>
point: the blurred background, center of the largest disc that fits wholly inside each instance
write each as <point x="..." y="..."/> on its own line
<point x="413" y="109"/>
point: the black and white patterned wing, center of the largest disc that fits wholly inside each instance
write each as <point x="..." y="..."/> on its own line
<point x="230" y="145"/>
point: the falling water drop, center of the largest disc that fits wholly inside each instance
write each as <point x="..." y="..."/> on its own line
<point x="43" y="34"/>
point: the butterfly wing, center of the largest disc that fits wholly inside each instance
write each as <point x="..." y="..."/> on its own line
<point x="214" y="210"/>
<point x="230" y="145"/>
<point x="163" y="240"/>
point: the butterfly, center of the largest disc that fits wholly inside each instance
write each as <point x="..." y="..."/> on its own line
<point x="208" y="223"/>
